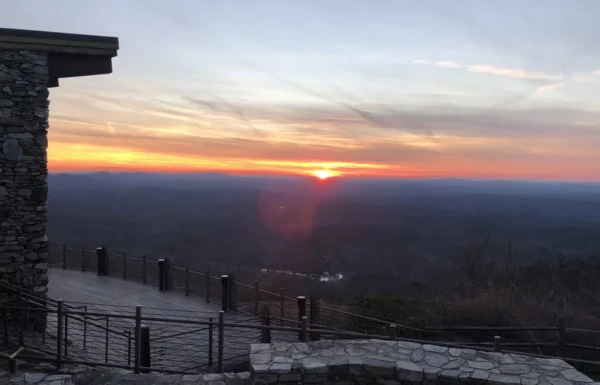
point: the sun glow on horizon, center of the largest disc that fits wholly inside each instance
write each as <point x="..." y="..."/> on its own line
<point x="323" y="174"/>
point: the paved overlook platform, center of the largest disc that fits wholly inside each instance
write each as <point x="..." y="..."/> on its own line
<point x="173" y="345"/>
<point x="87" y="287"/>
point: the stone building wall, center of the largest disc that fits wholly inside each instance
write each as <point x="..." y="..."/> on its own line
<point x="23" y="169"/>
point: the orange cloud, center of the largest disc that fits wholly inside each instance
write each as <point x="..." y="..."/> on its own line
<point x="363" y="139"/>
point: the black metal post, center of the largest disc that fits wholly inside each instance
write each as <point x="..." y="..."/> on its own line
<point x="145" y="348"/>
<point x="301" y="302"/>
<point x="221" y="341"/>
<point x="210" y="340"/>
<point x="12" y="365"/>
<point x="497" y="343"/>
<point x="304" y="332"/>
<point x="137" y="336"/>
<point x="225" y="291"/>
<point x="266" y="321"/>
<point x="59" y="333"/>
<point x="102" y="253"/>
<point x="392" y="331"/>
<point x="100" y="261"/>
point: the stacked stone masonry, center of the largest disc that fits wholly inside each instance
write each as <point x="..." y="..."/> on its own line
<point x="400" y="362"/>
<point x="23" y="169"/>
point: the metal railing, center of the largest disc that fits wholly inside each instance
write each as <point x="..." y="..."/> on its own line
<point x="207" y="285"/>
<point x="286" y="311"/>
<point x="178" y="343"/>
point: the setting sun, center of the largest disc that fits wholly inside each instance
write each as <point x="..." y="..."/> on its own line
<point x="323" y="174"/>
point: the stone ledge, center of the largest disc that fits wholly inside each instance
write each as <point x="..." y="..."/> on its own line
<point x="395" y="362"/>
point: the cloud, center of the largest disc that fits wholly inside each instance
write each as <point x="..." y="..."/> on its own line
<point x="549" y="87"/>
<point x="492" y="70"/>
<point x="447" y="64"/>
<point x="335" y="134"/>
<point x="511" y="72"/>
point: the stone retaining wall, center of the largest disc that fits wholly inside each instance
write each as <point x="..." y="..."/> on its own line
<point x="395" y="362"/>
<point x="23" y="169"/>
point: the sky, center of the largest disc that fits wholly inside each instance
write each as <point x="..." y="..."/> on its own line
<point x="394" y="88"/>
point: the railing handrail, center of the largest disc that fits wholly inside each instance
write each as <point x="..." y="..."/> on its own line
<point x="425" y="329"/>
<point x="305" y="328"/>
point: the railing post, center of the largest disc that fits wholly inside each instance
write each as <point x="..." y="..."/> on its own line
<point x="161" y="275"/>
<point x="225" y="291"/>
<point x="301" y="302"/>
<point x="64" y="256"/>
<point x="100" y="261"/>
<point x="281" y="305"/>
<point x="221" y="341"/>
<point x="145" y="348"/>
<point x="144" y="269"/>
<point x="12" y="365"/>
<point x="59" y="334"/>
<point x="187" y="279"/>
<point x="266" y="321"/>
<point x="497" y="343"/>
<point x="124" y="264"/>
<point x="83" y="258"/>
<point x="102" y="253"/>
<point x="304" y="331"/>
<point x="256" y="297"/>
<point x="562" y="337"/>
<point x="207" y="285"/>
<point x="392" y="331"/>
<point x="138" y="338"/>
<point x="315" y="318"/>
<point x="210" y="340"/>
